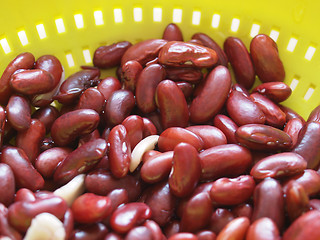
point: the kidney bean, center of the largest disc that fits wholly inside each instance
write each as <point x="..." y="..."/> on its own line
<point x="304" y="227"/>
<point x="29" y="140"/>
<point x="196" y="41"/>
<point x="89" y="137"/>
<point x="102" y="182"/>
<point x="25" y="174"/>
<point x="22" y="61"/>
<point x="89" y="232"/>
<point x="293" y="128"/>
<point x="172" y="104"/>
<point x="191" y="75"/>
<point x="154" y="117"/>
<point x="139" y="233"/>
<point x="130" y="72"/>
<point x="91" y="98"/>
<point x="224" y="160"/>
<point x="308" y="144"/>
<point x="238" y="87"/>
<point x="183" y="236"/>
<point x="75" y="84"/>
<point x="290" y="113"/>
<point x="47" y="115"/>
<point x="134" y="125"/>
<point x="172" y="33"/>
<point x="227" y="126"/>
<point x="314" y="115"/>
<point x="24" y="194"/>
<point x="108" y="85"/>
<point x="113" y="236"/>
<point x="2" y="124"/>
<point x="46" y="144"/>
<point x="275" y="91"/>
<point x="118" y="197"/>
<point x="266" y="60"/>
<point x="232" y="191"/>
<point x="219" y="219"/>
<point x="263" y="229"/>
<point x="240" y="61"/>
<point x="235" y="229"/>
<point x="206" y="235"/>
<point x="210" y="43"/>
<point x="155" y="229"/>
<point x="19" y="112"/>
<point x="314" y="204"/>
<point x="110" y="56"/>
<point x="263" y="137"/>
<point x="5" y="228"/>
<point x="143" y="51"/>
<point x="7" y="184"/>
<point x="268" y="202"/>
<point x="73" y="124"/>
<point x="171" y="228"/>
<point x="186" y="88"/>
<point x="243" y="210"/>
<point x="68" y="222"/>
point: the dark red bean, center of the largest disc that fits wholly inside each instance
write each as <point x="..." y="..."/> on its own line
<point x="108" y="85"/>
<point x="148" y="128"/>
<point x="134" y="126"/>
<point x="89" y="232"/>
<point x="275" y="91"/>
<point x="236" y="229"/>
<point x="46" y="144"/>
<point x="89" y="137"/>
<point x="191" y="75"/>
<point x="314" y="115"/>
<point x="68" y="222"/>
<point x="113" y="236"/>
<point x="139" y="233"/>
<point x="219" y="219"/>
<point x="6" y="230"/>
<point x="183" y="236"/>
<point x="118" y="197"/>
<point x="293" y="128"/>
<point x="171" y="228"/>
<point x="93" y="99"/>
<point x="206" y="235"/>
<point x="263" y="229"/>
<point x="7" y="184"/>
<point x="130" y="72"/>
<point x="238" y="87"/>
<point x="290" y="113"/>
<point x="172" y="33"/>
<point x="47" y="115"/>
<point x="155" y="229"/>
<point x="314" y="204"/>
<point x="186" y="88"/>
<point x="2" y="124"/>
<point x="227" y="126"/>
<point x="243" y="210"/>
<point x="24" y="194"/>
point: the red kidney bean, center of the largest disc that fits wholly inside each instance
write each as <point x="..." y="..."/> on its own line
<point x="89" y="137"/>
<point x="154" y="117"/>
<point x="314" y="204"/>
<point x="24" y="194"/>
<point x="269" y="202"/>
<point x="219" y="219"/>
<point x="29" y="140"/>
<point x="108" y="85"/>
<point x="25" y="174"/>
<point x="148" y="128"/>
<point x="238" y="87"/>
<point x="71" y="125"/>
<point x="118" y="197"/>
<point x="235" y="229"/>
<point x="243" y="210"/>
<point x="157" y="168"/>
<point x="155" y="229"/>
<point x="75" y="84"/>
<point x="206" y="235"/>
<point x="266" y="60"/>
<point x="210" y="43"/>
<point x="5" y="228"/>
<point x="134" y="126"/>
<point x="263" y="137"/>
<point x="91" y="98"/>
<point x="243" y="110"/>
<point x="172" y="104"/>
<point x="304" y="227"/>
<point x="232" y="191"/>
<point x="21" y="213"/>
<point x="275" y="91"/>
<point x="110" y="56"/>
<point x="68" y="222"/>
<point x="308" y="144"/>
<point x="7" y="184"/>
<point x="46" y="144"/>
<point x="204" y="106"/>
<point x="47" y="115"/>
<point x="314" y="115"/>
<point x="183" y="236"/>
<point x="22" y="61"/>
<point x="19" y="112"/>
<point x="211" y="136"/>
<point x="102" y="182"/>
<point x="128" y="216"/>
<point x="89" y="232"/>
<point x="240" y="61"/>
<point x="172" y="33"/>
<point x="279" y="165"/>
<point x="80" y="160"/>
<point x="113" y="236"/>
<point x="198" y="207"/>
<point x="186" y="88"/>
<point x="263" y="229"/>
<point x="227" y="126"/>
<point x="2" y="124"/>
<point x="171" y="137"/>
<point x="130" y="72"/>
<point x="196" y="41"/>
<point x="192" y="75"/>
<point x="171" y="228"/>
<point x="293" y="128"/>
<point x="224" y="160"/>
<point x="143" y="51"/>
<point x="290" y="113"/>
<point x="153" y="61"/>
<point x="147" y="83"/>
<point x="139" y="233"/>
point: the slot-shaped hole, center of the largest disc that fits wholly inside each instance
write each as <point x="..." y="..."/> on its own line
<point x="117" y="12"/>
<point x="70" y="60"/>
<point x="235" y="23"/>
<point x="157" y="14"/>
<point x="177" y="15"/>
<point x="137" y="14"/>
<point x="294" y="83"/>
<point x="41" y="31"/>
<point x="87" y="55"/>
<point x="292" y="44"/>
<point x="5" y="45"/>
<point x="78" y="18"/>
<point x="254" y="30"/>
<point x="196" y="17"/>
<point x="98" y="18"/>
<point x="309" y="93"/>
<point x="274" y="34"/>
<point x="215" y="20"/>
<point x="309" y="53"/>
<point x="60" y="25"/>
<point x="23" y="37"/>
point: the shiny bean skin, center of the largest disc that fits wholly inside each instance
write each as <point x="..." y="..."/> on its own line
<point x="7" y="184"/>
<point x="304" y="227"/>
<point x="93" y="99"/>
<point x="279" y="165"/>
<point x="183" y="236"/>
<point x="148" y="128"/>
<point x="89" y="232"/>
<point x="219" y="219"/>
<point x="186" y="88"/>
<point x="29" y="140"/>
<point x="206" y="235"/>
<point x="2" y="124"/>
<point x="6" y="230"/>
<point x="293" y="128"/>
<point x="19" y="112"/>
<point x="46" y="144"/>
<point x="21" y="213"/>
<point x="238" y="87"/>
<point x="183" y="54"/>
<point x="314" y="115"/>
<point x="204" y="106"/>
<point x="211" y="136"/>
<point x="24" y="194"/>
<point x="89" y="137"/>
<point x="232" y="191"/>
<point x="171" y="228"/>
<point x="22" y="61"/>
<point x="275" y="91"/>
<point x="236" y="229"/>
<point x="47" y="115"/>
<point x="227" y="126"/>
<point x="172" y="33"/>
<point x="243" y="210"/>
<point x="192" y="75"/>
<point x="263" y="229"/>
<point x="274" y="115"/>
<point x="290" y="113"/>
<point x="242" y="110"/>
<point x="113" y="236"/>
<point x="314" y="204"/>
<point x="108" y="85"/>
<point x="172" y="105"/>
<point x="308" y="144"/>
<point x="81" y="160"/>
<point x="143" y="51"/>
<point x="130" y="72"/>
<point x="25" y="174"/>
<point x="266" y="61"/>
<point x="240" y="61"/>
<point x="269" y="202"/>
<point x="147" y="83"/>
<point x="139" y="233"/>
<point x="134" y="126"/>
<point x="263" y="137"/>
<point x="171" y="137"/>
<point x="155" y="229"/>
<point x="118" y="197"/>
<point x="71" y="125"/>
<point x="68" y="222"/>
<point x="110" y="56"/>
<point x="224" y="160"/>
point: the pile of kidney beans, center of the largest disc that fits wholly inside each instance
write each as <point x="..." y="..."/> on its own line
<point x="219" y="160"/>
